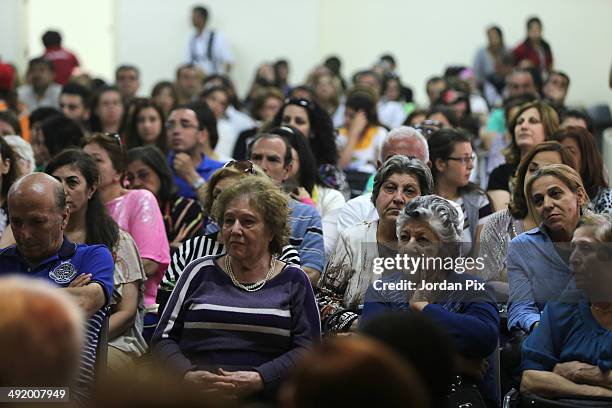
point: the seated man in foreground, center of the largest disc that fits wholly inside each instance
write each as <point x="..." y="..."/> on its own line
<point x="38" y="216"/>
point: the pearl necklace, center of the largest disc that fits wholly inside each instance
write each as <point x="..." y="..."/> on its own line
<point x="253" y="286"/>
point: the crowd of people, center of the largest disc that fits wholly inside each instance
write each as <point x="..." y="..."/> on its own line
<point x="241" y="247"/>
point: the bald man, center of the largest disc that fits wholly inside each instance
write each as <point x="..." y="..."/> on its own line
<point x="38" y="216"/>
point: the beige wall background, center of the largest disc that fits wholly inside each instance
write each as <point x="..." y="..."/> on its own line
<point x="423" y="36"/>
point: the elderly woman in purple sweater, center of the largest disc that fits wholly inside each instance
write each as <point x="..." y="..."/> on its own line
<point x="237" y="322"/>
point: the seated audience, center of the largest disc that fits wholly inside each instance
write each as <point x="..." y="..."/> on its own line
<point x="505" y="225"/>
<point x="589" y="163"/>
<point x="261" y="310"/>
<point x="41" y="90"/>
<point x="349" y="271"/>
<point x="42" y="328"/>
<point x="146" y="127"/>
<point x="306" y="186"/>
<point x="90" y="224"/>
<point x="569" y="353"/>
<point x="147" y="169"/>
<point x="534" y="123"/>
<point x="192" y="134"/>
<point x="429" y="227"/>
<point x="9" y="124"/>
<point x="361" y="137"/>
<point x="24" y="155"/>
<point x="135" y="211"/>
<point x="452" y="161"/>
<point x="8" y="175"/>
<point x="39" y="215"/>
<point x="273" y="154"/>
<point x="164" y="96"/>
<point x="107" y="110"/>
<point x="537" y="260"/>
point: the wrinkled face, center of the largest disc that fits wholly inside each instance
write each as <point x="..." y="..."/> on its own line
<point x="521" y="83"/>
<point x="183" y="133"/>
<point x="542" y="158"/>
<point x="110" y="108"/>
<point x="574" y="149"/>
<point x="37" y="224"/>
<point x="73" y="107"/>
<point x="128" y="82"/>
<point x="270" y="108"/>
<point x="141" y="176"/>
<point x="37" y="140"/>
<point x="395" y="192"/>
<point x="108" y="174"/>
<point x="457" y="167"/>
<point x="417" y="238"/>
<point x="529" y="130"/>
<point x="218" y="102"/>
<point x="6" y="129"/>
<point x="269" y="154"/>
<point x="245" y="235"/>
<point x="149" y="125"/>
<point x="297" y="117"/>
<point x="555" y="204"/>
<point x="40" y="75"/>
<point x="77" y="191"/>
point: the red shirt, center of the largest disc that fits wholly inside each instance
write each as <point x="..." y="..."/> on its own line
<point x="63" y="63"/>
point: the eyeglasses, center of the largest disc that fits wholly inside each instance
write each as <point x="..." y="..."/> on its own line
<point x="464" y="160"/>
<point x="245" y="166"/>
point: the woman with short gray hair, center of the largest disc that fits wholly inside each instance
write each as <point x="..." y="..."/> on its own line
<point x="429" y="231"/>
<point x="349" y="271"/>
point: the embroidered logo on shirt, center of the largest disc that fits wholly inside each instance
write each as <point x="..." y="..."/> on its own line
<point x="63" y="273"/>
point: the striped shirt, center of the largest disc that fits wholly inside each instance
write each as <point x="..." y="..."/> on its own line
<point x="209" y="323"/>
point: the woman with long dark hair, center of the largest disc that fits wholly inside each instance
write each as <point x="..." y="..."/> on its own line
<point x="90" y="224"/>
<point x="146" y="126"/>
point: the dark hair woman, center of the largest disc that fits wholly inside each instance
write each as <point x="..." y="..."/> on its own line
<point x="146" y="126"/>
<point x="148" y="169"/>
<point x="90" y="224"/>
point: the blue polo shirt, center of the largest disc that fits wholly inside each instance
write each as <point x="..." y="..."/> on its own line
<point x="70" y="261"/>
<point x="206" y="168"/>
<point x="63" y="267"/>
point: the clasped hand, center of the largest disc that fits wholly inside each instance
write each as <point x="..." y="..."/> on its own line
<point x="226" y="382"/>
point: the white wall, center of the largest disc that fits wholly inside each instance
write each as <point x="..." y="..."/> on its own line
<point x="424" y="36"/>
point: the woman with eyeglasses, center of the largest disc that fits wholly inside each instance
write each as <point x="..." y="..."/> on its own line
<point x="452" y="158"/>
<point x="148" y="169"/>
<point x="146" y="126"/>
<point x="135" y="211"/>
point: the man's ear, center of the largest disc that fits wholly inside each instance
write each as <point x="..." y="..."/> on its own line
<point x="379" y="163"/>
<point x="288" y="171"/>
<point x="65" y="218"/>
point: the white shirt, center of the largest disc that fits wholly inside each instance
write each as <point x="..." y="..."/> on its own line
<point x="361" y="209"/>
<point x="27" y="95"/>
<point x="197" y="52"/>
